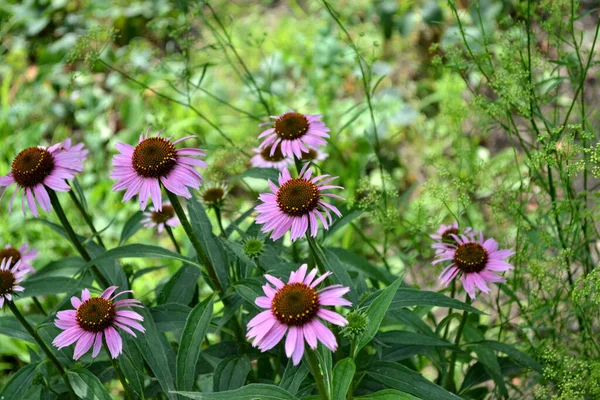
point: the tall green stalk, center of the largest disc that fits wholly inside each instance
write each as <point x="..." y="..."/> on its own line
<point x="315" y="370"/>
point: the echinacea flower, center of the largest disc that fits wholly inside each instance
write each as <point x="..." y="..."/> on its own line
<point x="161" y="218"/>
<point x="10" y="276"/>
<point x="23" y="254"/>
<point x="213" y="196"/>
<point x="155" y="160"/>
<point x="444" y="236"/>
<point x="36" y="168"/>
<point x="314" y="155"/>
<point x="265" y="159"/>
<point x="297" y="308"/>
<point x="95" y="319"/>
<point x="295" y="205"/>
<point x="294" y="134"/>
<point x="476" y="260"/>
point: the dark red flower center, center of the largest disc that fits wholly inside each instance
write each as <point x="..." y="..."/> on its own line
<point x="298" y="196"/>
<point x="447" y="236"/>
<point x="31" y="166"/>
<point x="154" y="157"/>
<point x="8" y="253"/>
<point x="160" y="217"/>
<point x="295" y="304"/>
<point x="470" y="257"/>
<point x="213" y="196"/>
<point x="7" y="282"/>
<point x="310" y="156"/>
<point x="96" y="314"/>
<point x="276" y="157"/>
<point x="291" y="126"/>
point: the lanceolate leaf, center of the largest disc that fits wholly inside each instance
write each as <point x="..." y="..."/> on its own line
<point x="86" y="386"/>
<point x="293" y="377"/>
<point x="180" y="288"/>
<point x="132" y="225"/>
<point x="192" y="337"/>
<point x="19" y="383"/>
<point x="250" y="392"/>
<point x="231" y="373"/>
<point x="515" y="354"/>
<point x="52" y="285"/>
<point x="343" y="374"/>
<point x="388" y="394"/>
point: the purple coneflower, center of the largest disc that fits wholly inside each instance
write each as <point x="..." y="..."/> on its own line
<point x="295" y="133"/>
<point x="264" y="159"/>
<point x="314" y="155"/>
<point x="10" y="276"/>
<point x="476" y="260"/>
<point x="155" y="160"/>
<point x="23" y="254"/>
<point x="295" y="205"/>
<point x="443" y="237"/>
<point x="295" y="308"/>
<point x="95" y="318"/>
<point x="161" y="218"/>
<point x="37" y="167"/>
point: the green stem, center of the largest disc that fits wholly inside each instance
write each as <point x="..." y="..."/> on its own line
<point x="41" y="343"/>
<point x="86" y="217"/>
<point x="315" y="249"/>
<point x="170" y="232"/>
<point x="73" y="237"/>
<point x="218" y="213"/>
<point x="39" y="305"/>
<point x="195" y="241"/>
<point x="315" y="369"/>
<point x="452" y="293"/>
<point x="450" y="377"/>
<point x="121" y="376"/>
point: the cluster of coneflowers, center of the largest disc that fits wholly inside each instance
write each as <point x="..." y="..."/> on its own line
<point x="298" y="205"/>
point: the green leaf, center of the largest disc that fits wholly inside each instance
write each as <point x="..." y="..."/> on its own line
<point x="86" y="386"/>
<point x="170" y="317"/>
<point x="190" y="343"/>
<point x="376" y="311"/>
<point x="9" y="326"/>
<point x="19" y="383"/>
<point x="408" y="297"/>
<point x="388" y="394"/>
<point x="347" y="217"/>
<point x="249" y="392"/>
<point x="343" y="374"/>
<point x="210" y="243"/>
<point x="231" y="373"/>
<point x="412" y="339"/>
<point x="518" y="356"/>
<point x="361" y="264"/>
<point x="340" y="271"/>
<point x="399" y="377"/>
<point x="249" y="290"/>
<point x="258" y="173"/>
<point x="133" y="224"/>
<point x="293" y="377"/>
<point x="139" y="251"/>
<point x="478" y="373"/>
<point x="181" y="287"/>
<point x="67" y="266"/>
<point x="488" y="358"/>
<point x="150" y="344"/>
<point x="52" y="285"/>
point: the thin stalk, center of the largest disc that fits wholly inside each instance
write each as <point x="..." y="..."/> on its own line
<point x="218" y="214"/>
<point x="461" y="327"/>
<point x="39" y="306"/>
<point x="74" y="239"/>
<point x="452" y="294"/>
<point x="42" y="344"/>
<point x="316" y="373"/>
<point x="170" y="232"/>
<point x="86" y="217"/>
<point x="210" y="269"/>
<point x="315" y="249"/>
<point x="121" y="376"/>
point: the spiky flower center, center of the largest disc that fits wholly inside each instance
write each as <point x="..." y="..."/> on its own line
<point x="276" y="157"/>
<point x="96" y="314"/>
<point x="154" y="157"/>
<point x="298" y="196"/>
<point x="470" y="257"/>
<point x="291" y="126"/>
<point x="447" y="236"/>
<point x="213" y="196"/>
<point x="253" y="247"/>
<point x="295" y="304"/>
<point x="7" y="282"/>
<point x="160" y="217"/>
<point x="310" y="156"/>
<point x="31" y="166"/>
<point x="10" y="252"/>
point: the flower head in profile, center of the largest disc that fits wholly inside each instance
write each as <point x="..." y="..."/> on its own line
<point x="155" y="160"/>
<point x="265" y="159"/>
<point x="314" y="155"/>
<point x="297" y="204"/>
<point x="297" y="308"/>
<point x="213" y="196"/>
<point x="294" y="134"/>
<point x="23" y="254"/>
<point x="11" y="274"/>
<point x="37" y="168"/>
<point x="444" y="237"/>
<point x="476" y="260"/>
<point x="95" y="319"/>
<point x="161" y="218"/>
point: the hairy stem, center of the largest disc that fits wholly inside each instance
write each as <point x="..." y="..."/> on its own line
<point x="315" y="370"/>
